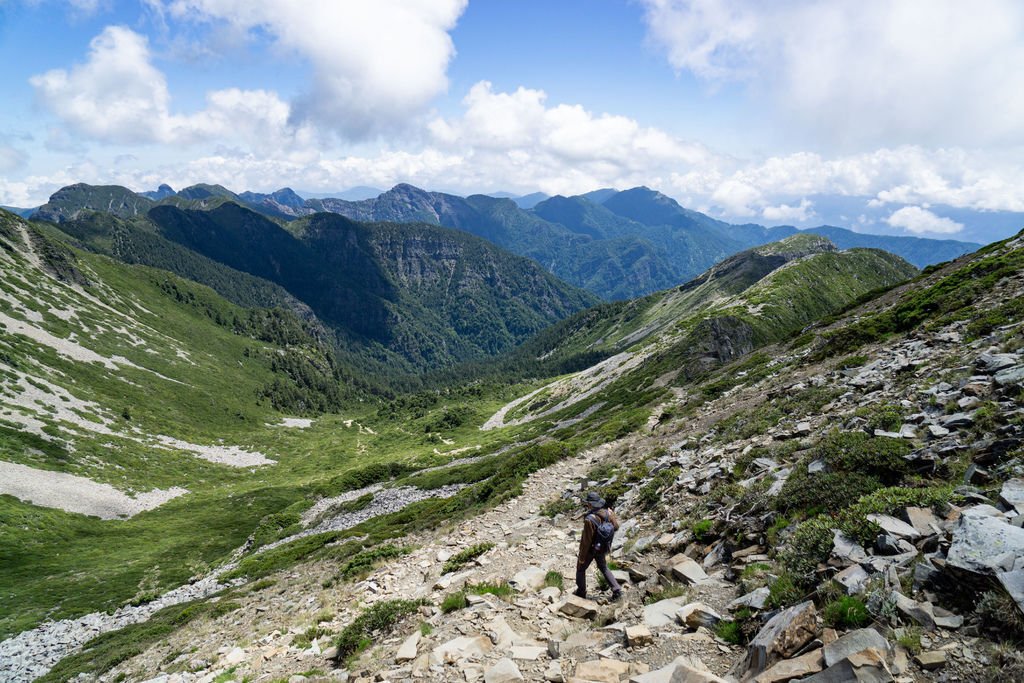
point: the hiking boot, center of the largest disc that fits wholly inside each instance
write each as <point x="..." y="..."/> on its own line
<point x="580" y="594"/>
<point x="616" y="596"/>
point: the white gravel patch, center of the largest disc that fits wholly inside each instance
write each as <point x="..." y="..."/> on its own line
<point x="222" y="455"/>
<point x="72" y="493"/>
<point x="296" y="422"/>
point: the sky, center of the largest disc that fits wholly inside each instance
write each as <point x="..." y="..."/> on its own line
<point x="898" y="117"/>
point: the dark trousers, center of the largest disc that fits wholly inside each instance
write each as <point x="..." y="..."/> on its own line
<point x="581" y="572"/>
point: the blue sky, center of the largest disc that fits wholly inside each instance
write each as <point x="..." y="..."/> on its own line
<point x="902" y="118"/>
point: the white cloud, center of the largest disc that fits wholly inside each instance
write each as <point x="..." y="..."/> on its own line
<point x="118" y="96"/>
<point x="516" y="140"/>
<point x="861" y="72"/>
<point x="375" y="62"/>
<point x="922" y="221"/>
<point x="801" y="213"/>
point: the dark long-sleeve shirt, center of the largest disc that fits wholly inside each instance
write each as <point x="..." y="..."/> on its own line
<point x="589" y="529"/>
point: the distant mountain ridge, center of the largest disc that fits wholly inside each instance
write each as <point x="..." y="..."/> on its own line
<point x="615" y="244"/>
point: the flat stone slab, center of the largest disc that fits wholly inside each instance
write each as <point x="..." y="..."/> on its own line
<point x="755" y="599"/>
<point x="895" y="527"/>
<point x="853" y="643"/>
<point x="663" y="612"/>
<point x="503" y="671"/>
<point x="924" y="520"/>
<point x="407" y="652"/>
<point x="798" y="667"/>
<point x="986" y="545"/>
<point x="689" y="571"/>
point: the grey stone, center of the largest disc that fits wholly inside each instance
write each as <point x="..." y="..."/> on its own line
<point x="932" y="660"/>
<point x="697" y="614"/>
<point x="529" y="579"/>
<point x="994" y="362"/>
<point x="663" y="612"/>
<point x="867" y="666"/>
<point x="985" y="545"/>
<point x="854" y="642"/>
<point x="1013" y="583"/>
<point x="579" y="607"/>
<point x="895" y="527"/>
<point x="957" y="421"/>
<point x="937" y="431"/>
<point x="1011" y="376"/>
<point x="755" y="599"/>
<point x="921" y="612"/>
<point x="852" y="579"/>
<point x="684" y="669"/>
<point x="1012" y="494"/>
<point x="687" y="570"/>
<point x="407" y="652"/>
<point x="781" y="637"/>
<point x="845" y="548"/>
<point x="923" y="520"/>
<point x="503" y="671"/>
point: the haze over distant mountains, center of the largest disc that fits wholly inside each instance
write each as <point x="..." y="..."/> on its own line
<point x="615" y="244"/>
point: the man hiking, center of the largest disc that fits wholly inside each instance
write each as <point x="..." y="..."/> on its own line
<point x="599" y="525"/>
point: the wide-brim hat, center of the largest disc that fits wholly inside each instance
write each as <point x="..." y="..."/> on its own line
<point x="594" y="499"/>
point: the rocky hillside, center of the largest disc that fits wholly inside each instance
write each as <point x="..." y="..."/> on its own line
<point x="749" y="299"/>
<point x="846" y="505"/>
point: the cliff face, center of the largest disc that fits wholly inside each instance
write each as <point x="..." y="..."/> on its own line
<point x="430" y="296"/>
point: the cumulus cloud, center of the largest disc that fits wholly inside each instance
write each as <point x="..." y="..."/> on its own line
<point x="862" y="71"/>
<point x="922" y="221"/>
<point x="375" y="63"/>
<point x="517" y="140"/>
<point x="118" y="96"/>
<point x="801" y="213"/>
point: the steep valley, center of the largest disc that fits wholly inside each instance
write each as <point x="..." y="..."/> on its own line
<point x="767" y="431"/>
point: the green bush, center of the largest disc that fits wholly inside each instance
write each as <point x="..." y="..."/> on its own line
<point x="811" y="542"/>
<point x="453" y="601"/>
<point x="878" y="456"/>
<point x="784" y="591"/>
<point x="730" y="632"/>
<point x="830" y="490"/>
<point x="379" y="618"/>
<point x="464" y="557"/>
<point x="554" y="580"/>
<point x="846" y="612"/>
<point x="702" y="529"/>
<point x="362" y="562"/>
<point x="500" y="589"/>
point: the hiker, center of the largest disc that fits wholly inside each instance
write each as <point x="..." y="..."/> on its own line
<point x="599" y="525"/>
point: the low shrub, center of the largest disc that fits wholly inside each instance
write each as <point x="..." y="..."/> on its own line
<point x="378" y="619"/>
<point x="464" y="557"/>
<point x="554" y="580"/>
<point x="846" y="612"/>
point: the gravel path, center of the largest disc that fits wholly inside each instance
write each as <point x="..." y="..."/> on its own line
<point x="72" y="493"/>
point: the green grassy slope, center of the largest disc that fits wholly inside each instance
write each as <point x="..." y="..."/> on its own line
<point x="153" y="354"/>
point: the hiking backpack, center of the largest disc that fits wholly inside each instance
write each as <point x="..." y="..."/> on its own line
<point x="604" y="533"/>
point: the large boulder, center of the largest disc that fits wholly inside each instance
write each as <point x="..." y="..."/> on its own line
<point x="780" y="638"/>
<point x="854" y="642"/>
<point x="985" y="544"/>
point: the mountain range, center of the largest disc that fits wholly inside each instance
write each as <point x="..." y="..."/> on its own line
<point x="616" y="245"/>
